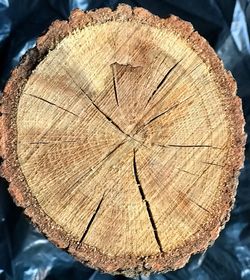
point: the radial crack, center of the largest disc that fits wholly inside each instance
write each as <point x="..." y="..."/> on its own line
<point x="161" y="114"/>
<point x="51" y="142"/>
<point x="162" y="82"/>
<point x="164" y="112"/>
<point x="189" y="146"/>
<point x="197" y="204"/>
<point x="53" y="104"/>
<point x="200" y="176"/>
<point x="90" y="222"/>
<point x="212" y="163"/>
<point x="115" y="82"/>
<point x="143" y="197"/>
<point x="185" y="171"/>
<point x="99" y="109"/>
<point x="101" y="112"/>
<point x="184" y="195"/>
<point x="112" y="122"/>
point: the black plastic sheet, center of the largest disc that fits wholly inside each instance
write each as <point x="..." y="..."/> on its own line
<point x="24" y="253"/>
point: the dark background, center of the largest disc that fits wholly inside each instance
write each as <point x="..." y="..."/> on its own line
<point x="24" y="253"/>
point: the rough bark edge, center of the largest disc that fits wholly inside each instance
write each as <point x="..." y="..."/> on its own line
<point x="127" y="265"/>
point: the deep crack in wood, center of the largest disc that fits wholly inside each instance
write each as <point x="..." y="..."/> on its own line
<point x="147" y="205"/>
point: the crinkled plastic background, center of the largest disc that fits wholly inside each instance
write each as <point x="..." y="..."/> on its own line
<point x="24" y="253"/>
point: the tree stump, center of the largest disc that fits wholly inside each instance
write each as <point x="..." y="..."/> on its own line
<point x="122" y="139"/>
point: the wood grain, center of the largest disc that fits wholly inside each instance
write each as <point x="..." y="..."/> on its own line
<point x="123" y="139"/>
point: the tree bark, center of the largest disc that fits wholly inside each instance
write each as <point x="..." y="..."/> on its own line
<point x="122" y="139"/>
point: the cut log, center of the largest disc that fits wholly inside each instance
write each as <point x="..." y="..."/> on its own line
<point x="122" y="138"/>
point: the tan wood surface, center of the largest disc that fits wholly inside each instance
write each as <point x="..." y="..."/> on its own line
<point x="127" y="141"/>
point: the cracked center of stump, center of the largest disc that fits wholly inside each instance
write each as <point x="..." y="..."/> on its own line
<point x="122" y="139"/>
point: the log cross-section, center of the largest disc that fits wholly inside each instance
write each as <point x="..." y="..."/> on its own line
<point x="122" y="138"/>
